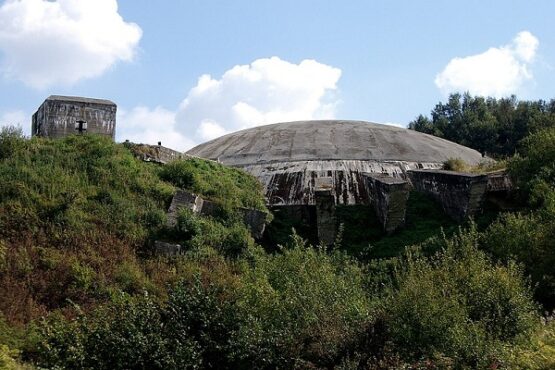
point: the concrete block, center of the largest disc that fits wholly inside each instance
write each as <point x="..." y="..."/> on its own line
<point x="60" y="116"/>
<point x="166" y="249"/>
<point x="255" y="221"/>
<point x="388" y="196"/>
<point x="183" y="199"/>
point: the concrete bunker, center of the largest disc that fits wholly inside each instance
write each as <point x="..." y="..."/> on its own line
<point x="322" y="164"/>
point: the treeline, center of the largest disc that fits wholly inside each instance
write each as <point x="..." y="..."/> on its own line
<point x="492" y="126"/>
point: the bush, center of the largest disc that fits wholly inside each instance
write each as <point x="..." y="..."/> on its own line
<point x="11" y="141"/>
<point x="459" y="304"/>
<point x="530" y="240"/>
<point x="536" y="354"/>
<point x="196" y="232"/>
<point x="300" y="307"/>
<point x="127" y="334"/>
<point x="533" y="170"/>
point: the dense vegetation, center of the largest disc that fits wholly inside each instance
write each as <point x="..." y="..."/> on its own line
<point x="79" y="288"/>
<point x="492" y="126"/>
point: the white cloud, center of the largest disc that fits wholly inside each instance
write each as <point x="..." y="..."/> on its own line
<point x="266" y="91"/>
<point x="496" y="72"/>
<point x="149" y="126"/>
<point x="16" y="118"/>
<point x="61" y="42"/>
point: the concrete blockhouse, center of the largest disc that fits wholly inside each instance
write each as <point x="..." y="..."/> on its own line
<point x="61" y="116"/>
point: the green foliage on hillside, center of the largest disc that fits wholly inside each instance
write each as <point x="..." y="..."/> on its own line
<point x="66" y="188"/>
<point x="75" y="214"/>
<point x="307" y="308"/>
<point x="458" y="303"/>
<point x="229" y="186"/>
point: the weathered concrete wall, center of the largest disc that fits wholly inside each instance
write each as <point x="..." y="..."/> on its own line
<point x="288" y="157"/>
<point x="500" y="191"/>
<point x="388" y="196"/>
<point x="166" y="249"/>
<point x="58" y="115"/>
<point x="499" y="182"/>
<point x="255" y="221"/>
<point x="293" y="183"/>
<point x="460" y="194"/>
<point x="325" y="211"/>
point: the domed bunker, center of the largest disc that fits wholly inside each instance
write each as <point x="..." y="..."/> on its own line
<point x="314" y="163"/>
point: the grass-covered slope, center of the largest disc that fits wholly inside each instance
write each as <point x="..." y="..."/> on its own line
<point x="76" y="212"/>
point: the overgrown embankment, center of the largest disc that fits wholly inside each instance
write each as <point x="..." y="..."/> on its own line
<point x="78" y="288"/>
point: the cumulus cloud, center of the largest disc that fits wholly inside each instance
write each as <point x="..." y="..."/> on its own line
<point x="16" y="118"/>
<point x="61" y="42"/>
<point x="266" y="91"/>
<point x="149" y="126"/>
<point x="496" y="72"/>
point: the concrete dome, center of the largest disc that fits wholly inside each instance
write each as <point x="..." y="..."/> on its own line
<point x="292" y="158"/>
<point x="330" y="140"/>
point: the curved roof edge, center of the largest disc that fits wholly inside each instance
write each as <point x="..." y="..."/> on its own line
<point x="330" y="140"/>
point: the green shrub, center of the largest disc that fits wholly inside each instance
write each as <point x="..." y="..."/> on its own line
<point x="202" y="313"/>
<point x="533" y="170"/>
<point x="536" y="354"/>
<point x="11" y="141"/>
<point x="195" y="232"/>
<point x="459" y="304"/>
<point x="127" y="334"/>
<point x="300" y="307"/>
<point x="530" y="240"/>
<point x="8" y="359"/>
<point x="456" y="164"/>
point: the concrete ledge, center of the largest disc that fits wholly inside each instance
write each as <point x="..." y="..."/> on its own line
<point x="389" y="197"/>
<point x="460" y="194"/>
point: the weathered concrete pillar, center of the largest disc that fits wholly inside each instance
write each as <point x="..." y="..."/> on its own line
<point x="325" y="210"/>
<point x="460" y="194"/>
<point x="255" y="221"/>
<point x="183" y="199"/>
<point x="388" y="196"/>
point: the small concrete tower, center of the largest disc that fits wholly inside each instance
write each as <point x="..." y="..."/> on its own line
<point x="61" y="116"/>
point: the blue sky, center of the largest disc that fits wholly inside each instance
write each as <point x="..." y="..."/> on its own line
<point x="268" y="61"/>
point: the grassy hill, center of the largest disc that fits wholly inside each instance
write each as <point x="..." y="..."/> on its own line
<point x="75" y="214"/>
